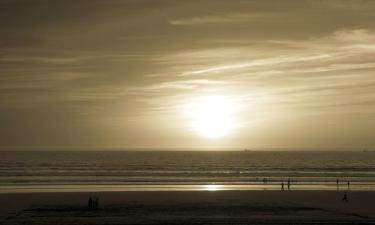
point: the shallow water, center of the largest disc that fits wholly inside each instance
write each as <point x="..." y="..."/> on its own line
<point x="250" y="170"/>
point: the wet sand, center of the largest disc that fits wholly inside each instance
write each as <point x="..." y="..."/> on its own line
<point x="190" y="207"/>
<point x="54" y="188"/>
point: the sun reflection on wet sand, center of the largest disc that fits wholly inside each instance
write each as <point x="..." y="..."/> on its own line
<point x="13" y="188"/>
<point x="213" y="187"/>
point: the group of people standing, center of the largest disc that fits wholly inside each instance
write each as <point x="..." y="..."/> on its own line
<point x="338" y="183"/>
<point x="93" y="203"/>
<point x="288" y="184"/>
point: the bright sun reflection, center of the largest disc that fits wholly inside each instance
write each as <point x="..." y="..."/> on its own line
<point x="212" y="187"/>
<point x="212" y="116"/>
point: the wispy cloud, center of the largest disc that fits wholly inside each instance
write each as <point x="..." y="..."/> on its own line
<point x="180" y="85"/>
<point x="291" y="74"/>
<point x="222" y="18"/>
<point x="263" y="62"/>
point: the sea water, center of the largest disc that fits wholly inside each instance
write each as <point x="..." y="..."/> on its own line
<point x="185" y="170"/>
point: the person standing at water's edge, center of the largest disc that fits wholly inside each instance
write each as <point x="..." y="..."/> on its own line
<point x="93" y="203"/>
<point x="90" y="203"/>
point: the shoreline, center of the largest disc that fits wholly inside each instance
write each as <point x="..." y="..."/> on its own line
<point x="40" y="188"/>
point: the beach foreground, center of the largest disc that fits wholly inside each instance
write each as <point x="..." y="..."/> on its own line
<point x="190" y="207"/>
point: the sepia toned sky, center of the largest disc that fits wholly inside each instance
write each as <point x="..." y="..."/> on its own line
<point x="95" y="74"/>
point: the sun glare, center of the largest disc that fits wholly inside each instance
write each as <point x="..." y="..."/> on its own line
<point x="211" y="116"/>
<point x="212" y="187"/>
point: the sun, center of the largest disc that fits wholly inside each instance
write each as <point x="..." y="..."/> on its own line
<point x="211" y="116"/>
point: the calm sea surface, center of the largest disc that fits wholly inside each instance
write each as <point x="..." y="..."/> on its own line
<point x="187" y="168"/>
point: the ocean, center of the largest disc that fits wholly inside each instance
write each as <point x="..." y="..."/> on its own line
<point x="28" y="170"/>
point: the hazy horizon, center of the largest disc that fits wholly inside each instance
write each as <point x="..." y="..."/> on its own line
<point x="208" y="74"/>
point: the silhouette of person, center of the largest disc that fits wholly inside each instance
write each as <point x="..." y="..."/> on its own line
<point x="282" y="185"/>
<point x="348" y="184"/>
<point x="345" y="197"/>
<point x="94" y="203"/>
<point x="90" y="203"/>
<point x="337" y="182"/>
<point x="288" y="184"/>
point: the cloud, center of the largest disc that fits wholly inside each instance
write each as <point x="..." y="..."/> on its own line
<point x="307" y="75"/>
<point x="355" y="35"/>
<point x="262" y="62"/>
<point x="187" y="84"/>
<point x="338" y="51"/>
<point x="223" y="18"/>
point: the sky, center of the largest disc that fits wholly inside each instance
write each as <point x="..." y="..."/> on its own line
<point x="207" y="74"/>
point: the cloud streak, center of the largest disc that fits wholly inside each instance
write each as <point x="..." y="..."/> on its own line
<point x="223" y="18"/>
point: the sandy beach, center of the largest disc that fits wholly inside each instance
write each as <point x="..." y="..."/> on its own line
<point x="190" y="207"/>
